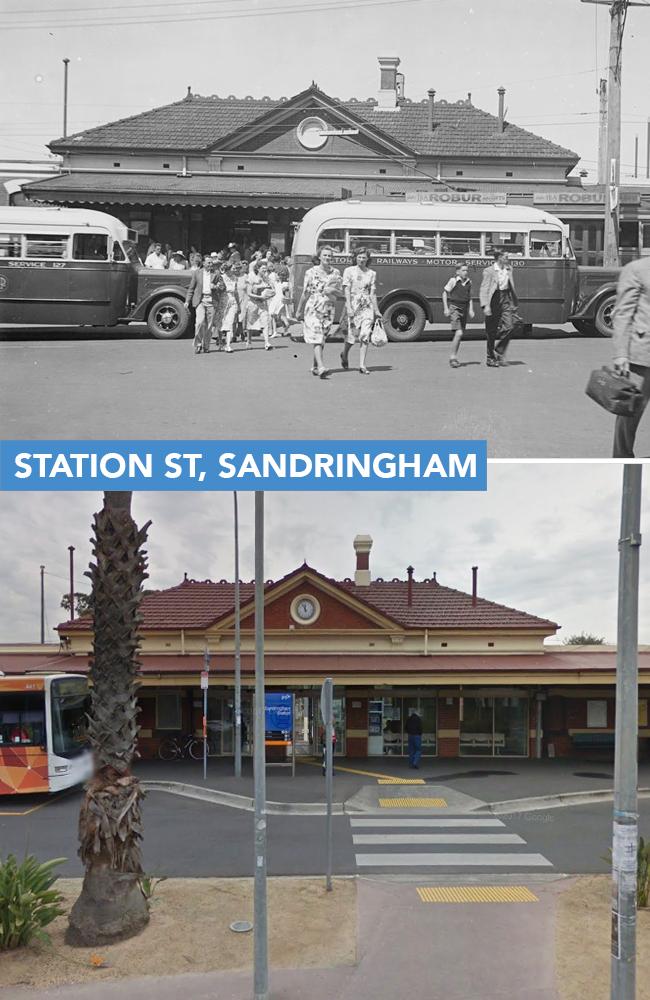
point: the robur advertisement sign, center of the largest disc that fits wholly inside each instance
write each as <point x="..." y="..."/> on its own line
<point x="458" y="197"/>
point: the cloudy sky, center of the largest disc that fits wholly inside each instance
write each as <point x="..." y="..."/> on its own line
<point x="544" y="538"/>
<point x="128" y="57"/>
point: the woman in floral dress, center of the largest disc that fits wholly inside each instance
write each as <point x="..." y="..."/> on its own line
<point x="360" y="287"/>
<point x="231" y="305"/>
<point x="260" y="293"/>
<point x="321" y="288"/>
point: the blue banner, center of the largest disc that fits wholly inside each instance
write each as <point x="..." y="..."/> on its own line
<point x="278" y="714"/>
<point x="253" y="465"/>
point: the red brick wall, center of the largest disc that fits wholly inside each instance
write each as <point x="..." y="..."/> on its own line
<point x="333" y="613"/>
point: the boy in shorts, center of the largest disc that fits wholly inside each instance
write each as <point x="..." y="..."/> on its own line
<point x="457" y="304"/>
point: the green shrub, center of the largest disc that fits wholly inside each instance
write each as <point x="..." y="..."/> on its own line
<point x="27" y="901"/>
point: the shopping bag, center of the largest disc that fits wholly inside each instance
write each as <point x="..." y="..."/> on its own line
<point x="378" y="336"/>
<point x="615" y="393"/>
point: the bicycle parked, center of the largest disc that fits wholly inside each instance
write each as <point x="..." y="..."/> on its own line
<point x="181" y="747"/>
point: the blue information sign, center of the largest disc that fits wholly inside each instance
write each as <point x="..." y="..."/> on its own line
<point x="278" y="711"/>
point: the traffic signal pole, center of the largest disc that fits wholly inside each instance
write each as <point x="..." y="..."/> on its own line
<point x="625" y="828"/>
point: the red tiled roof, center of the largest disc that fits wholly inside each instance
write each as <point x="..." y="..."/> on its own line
<point x="201" y="123"/>
<point x="199" y="604"/>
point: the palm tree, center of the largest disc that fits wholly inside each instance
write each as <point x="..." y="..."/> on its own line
<point x="111" y="905"/>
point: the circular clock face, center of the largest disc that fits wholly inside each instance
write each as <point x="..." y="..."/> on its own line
<point x="309" y="133"/>
<point x="305" y="609"/>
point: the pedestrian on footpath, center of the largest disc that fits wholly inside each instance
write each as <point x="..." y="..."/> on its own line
<point x="317" y="305"/>
<point x="230" y="310"/>
<point x="156" y="259"/>
<point x="631" y="343"/>
<point x="414" y="730"/>
<point x="360" y="287"/>
<point x="499" y="301"/>
<point x="260" y="293"/>
<point x="457" y="304"/>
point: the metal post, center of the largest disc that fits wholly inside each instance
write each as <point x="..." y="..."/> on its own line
<point x="625" y="831"/>
<point x="71" y="551"/>
<point x="538" y="730"/>
<point x="261" y="970"/>
<point x="206" y="667"/>
<point x="42" y="605"/>
<point x="636" y="156"/>
<point x="237" y="648"/>
<point x="327" y="715"/>
<point x="647" y="153"/>
<point x="66" y="63"/>
<point x="617" y="20"/>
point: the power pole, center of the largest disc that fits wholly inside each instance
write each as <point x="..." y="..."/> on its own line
<point x="237" y="647"/>
<point x="42" y="605"/>
<point x="602" y="132"/>
<point x="71" y="551"/>
<point x="260" y="922"/>
<point x="66" y="63"/>
<point x="625" y="830"/>
<point x="618" y="14"/>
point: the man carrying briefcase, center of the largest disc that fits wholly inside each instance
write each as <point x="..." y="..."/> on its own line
<point x="631" y="343"/>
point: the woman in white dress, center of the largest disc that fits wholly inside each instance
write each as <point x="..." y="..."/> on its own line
<point x="231" y="304"/>
<point x="260" y="292"/>
<point x="360" y="287"/>
<point x="317" y="303"/>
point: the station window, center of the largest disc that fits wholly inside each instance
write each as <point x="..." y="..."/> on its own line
<point x="509" y="173"/>
<point x="459" y="173"/>
<point x="168" y="710"/>
<point x="10" y="245"/>
<point x="165" y="166"/>
<point x="512" y="243"/>
<point x="334" y="238"/>
<point x="419" y="243"/>
<point x="382" y="170"/>
<point x="378" y="240"/>
<point x="116" y="163"/>
<point x="49" y="245"/>
<point x="455" y="244"/>
<point x="89" y="246"/>
<point x="240" y="166"/>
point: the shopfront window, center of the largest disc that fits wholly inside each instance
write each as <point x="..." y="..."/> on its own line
<point x="494" y="727"/>
<point x="476" y="726"/>
<point x="511" y="727"/>
<point x="386" y="724"/>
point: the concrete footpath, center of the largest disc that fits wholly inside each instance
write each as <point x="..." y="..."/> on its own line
<point x="406" y="948"/>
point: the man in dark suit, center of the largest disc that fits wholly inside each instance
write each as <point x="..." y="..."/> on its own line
<point x="203" y="294"/>
<point x="499" y="301"/>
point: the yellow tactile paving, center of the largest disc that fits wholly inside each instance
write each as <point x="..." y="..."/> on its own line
<point x="477" y="894"/>
<point x="400" y="781"/>
<point x="412" y="803"/>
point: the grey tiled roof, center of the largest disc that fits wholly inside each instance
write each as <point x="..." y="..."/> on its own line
<point x="200" y="123"/>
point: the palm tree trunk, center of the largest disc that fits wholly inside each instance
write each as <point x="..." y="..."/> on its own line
<point x="111" y="906"/>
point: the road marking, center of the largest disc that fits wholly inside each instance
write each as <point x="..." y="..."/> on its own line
<point x="422" y="821"/>
<point x="477" y="894"/>
<point x="41" y="805"/>
<point x="484" y="860"/>
<point x="423" y="803"/>
<point x="437" y="838"/>
<point x="400" y="781"/>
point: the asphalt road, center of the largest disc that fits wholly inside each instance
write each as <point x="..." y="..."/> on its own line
<point x="122" y="384"/>
<point x="186" y="837"/>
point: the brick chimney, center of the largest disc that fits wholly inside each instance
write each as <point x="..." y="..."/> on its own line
<point x="388" y="87"/>
<point x="362" y="546"/>
<point x="474" y="585"/>
<point x="409" y="587"/>
<point x="502" y="93"/>
<point x="431" y="94"/>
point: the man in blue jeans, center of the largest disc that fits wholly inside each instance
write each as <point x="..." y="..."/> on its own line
<point x="414" y="731"/>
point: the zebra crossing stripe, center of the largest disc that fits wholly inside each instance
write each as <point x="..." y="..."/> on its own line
<point x="477" y="894"/>
<point x="426" y="822"/>
<point x="457" y="860"/>
<point x="413" y="803"/>
<point x="370" y="839"/>
<point x="400" y="781"/>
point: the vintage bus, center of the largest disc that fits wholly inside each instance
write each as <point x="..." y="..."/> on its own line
<point x="43" y="733"/>
<point x="73" y="267"/>
<point x="416" y="247"/>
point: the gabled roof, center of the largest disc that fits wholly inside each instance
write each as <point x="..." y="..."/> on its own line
<point x="195" y="604"/>
<point x="198" y="124"/>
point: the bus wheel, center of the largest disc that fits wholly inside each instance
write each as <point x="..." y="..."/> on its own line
<point x="168" y="319"/>
<point x="603" y="318"/>
<point x="404" y="320"/>
<point x="584" y="326"/>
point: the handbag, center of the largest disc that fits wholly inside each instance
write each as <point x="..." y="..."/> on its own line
<point x="615" y="393"/>
<point x="378" y="337"/>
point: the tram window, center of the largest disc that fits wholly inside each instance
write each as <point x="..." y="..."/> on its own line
<point x="460" y="244"/>
<point x="376" y="240"/>
<point x="89" y="246"/>
<point x="512" y="243"/>
<point x="545" y="244"/>
<point x="10" y="245"/>
<point x="49" y="245"/>
<point x="334" y="238"/>
<point x="415" y="243"/>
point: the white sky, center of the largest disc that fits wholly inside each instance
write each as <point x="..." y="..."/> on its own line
<point x="549" y="54"/>
<point x="544" y="537"/>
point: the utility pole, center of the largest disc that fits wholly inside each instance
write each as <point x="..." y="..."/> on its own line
<point x="237" y="647"/>
<point x="42" y="605"/>
<point x="71" y="551"/>
<point x="66" y="63"/>
<point x="625" y="829"/>
<point x="636" y="157"/>
<point x="602" y="132"/>
<point x="260" y="945"/>
<point x="618" y="14"/>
